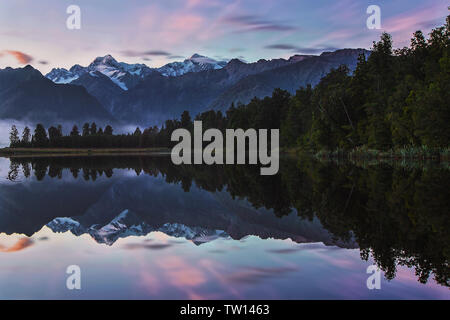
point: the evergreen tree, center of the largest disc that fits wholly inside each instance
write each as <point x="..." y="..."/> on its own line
<point x="85" y="130"/>
<point x="137" y="132"/>
<point x="14" y="137"/>
<point x="108" y="130"/>
<point x="26" y="137"/>
<point x="74" y="132"/>
<point x="93" y="129"/>
<point x="40" y="137"/>
<point x="186" y="121"/>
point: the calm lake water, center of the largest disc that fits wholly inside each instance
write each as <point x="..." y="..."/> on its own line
<point x="143" y="228"/>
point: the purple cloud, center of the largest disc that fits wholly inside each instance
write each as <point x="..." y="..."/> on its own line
<point x="306" y="50"/>
<point x="255" y="23"/>
<point x="135" y="53"/>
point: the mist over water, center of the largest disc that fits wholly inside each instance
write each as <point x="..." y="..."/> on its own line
<point x="5" y="128"/>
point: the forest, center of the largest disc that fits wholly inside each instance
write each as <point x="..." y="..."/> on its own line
<point x="396" y="99"/>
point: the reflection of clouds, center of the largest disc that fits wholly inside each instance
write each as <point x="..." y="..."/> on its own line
<point x="177" y="241"/>
<point x="217" y="251"/>
<point x="152" y="246"/>
<point x="284" y="251"/>
<point x="252" y="275"/>
<point x="180" y="273"/>
<point x="341" y="261"/>
<point x="149" y="281"/>
<point x="21" y="244"/>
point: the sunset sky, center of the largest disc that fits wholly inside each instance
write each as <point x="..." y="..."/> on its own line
<point x="161" y="31"/>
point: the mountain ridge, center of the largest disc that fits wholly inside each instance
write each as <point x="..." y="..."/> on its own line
<point x="138" y="94"/>
<point x="25" y="94"/>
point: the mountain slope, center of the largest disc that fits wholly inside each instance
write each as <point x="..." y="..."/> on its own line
<point x="27" y="95"/>
<point x="101" y="87"/>
<point x="289" y="77"/>
<point x="158" y="98"/>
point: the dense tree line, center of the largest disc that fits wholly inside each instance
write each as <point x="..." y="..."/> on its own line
<point x="90" y="137"/>
<point x="394" y="98"/>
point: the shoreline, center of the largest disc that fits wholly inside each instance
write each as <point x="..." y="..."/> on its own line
<point x="60" y="152"/>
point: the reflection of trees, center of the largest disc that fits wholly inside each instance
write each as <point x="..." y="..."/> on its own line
<point x="397" y="215"/>
<point x="13" y="172"/>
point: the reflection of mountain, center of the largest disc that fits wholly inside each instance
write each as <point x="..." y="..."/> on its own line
<point x="128" y="224"/>
<point x="152" y="203"/>
<point x="26" y="207"/>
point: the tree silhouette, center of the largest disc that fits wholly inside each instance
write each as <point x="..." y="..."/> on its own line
<point x="40" y="137"/>
<point x="26" y="137"/>
<point x="74" y="132"/>
<point x="14" y="137"/>
<point x="86" y="130"/>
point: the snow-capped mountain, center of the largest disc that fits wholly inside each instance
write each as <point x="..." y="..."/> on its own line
<point x="122" y="74"/>
<point x="61" y="75"/>
<point x="136" y="93"/>
<point x="126" y="76"/>
<point x="127" y="224"/>
<point x="196" y="63"/>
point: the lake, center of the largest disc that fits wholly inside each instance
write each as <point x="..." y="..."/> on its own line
<point x="140" y="227"/>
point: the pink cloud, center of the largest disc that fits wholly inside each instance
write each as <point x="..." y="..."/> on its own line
<point x="403" y="26"/>
<point x="21" y="57"/>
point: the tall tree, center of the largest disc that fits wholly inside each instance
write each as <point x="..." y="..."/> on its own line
<point x="137" y="132"/>
<point x="40" y="137"/>
<point x="26" y="137"/>
<point x="186" y="121"/>
<point x="93" y="129"/>
<point x="74" y="132"/>
<point x="14" y="137"/>
<point x="86" y="130"/>
<point x="108" y="130"/>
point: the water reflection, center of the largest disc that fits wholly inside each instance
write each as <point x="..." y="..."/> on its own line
<point x="396" y="215"/>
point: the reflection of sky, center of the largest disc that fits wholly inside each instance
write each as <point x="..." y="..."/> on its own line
<point x="160" y="31"/>
<point x="159" y="266"/>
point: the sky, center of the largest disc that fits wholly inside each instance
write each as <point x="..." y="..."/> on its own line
<point x="160" y="31"/>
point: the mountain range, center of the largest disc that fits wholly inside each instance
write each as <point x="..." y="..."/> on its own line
<point x="111" y="91"/>
<point x="129" y="224"/>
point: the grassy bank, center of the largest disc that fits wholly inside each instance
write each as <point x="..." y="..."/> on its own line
<point x="78" y="151"/>
<point x="405" y="153"/>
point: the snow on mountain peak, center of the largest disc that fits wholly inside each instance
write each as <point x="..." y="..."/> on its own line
<point x="128" y="224"/>
<point x="195" y="63"/>
<point x="122" y="74"/>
